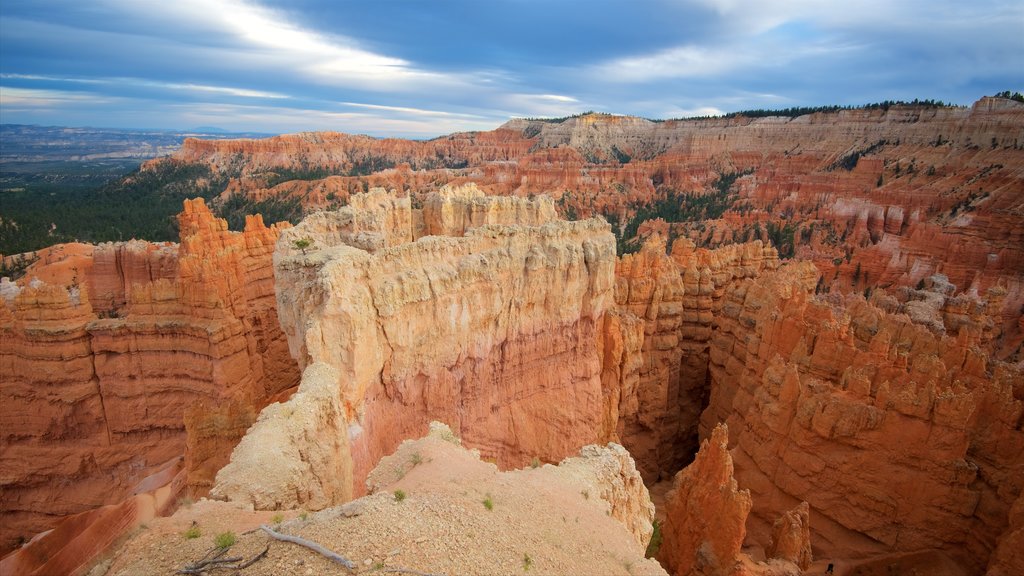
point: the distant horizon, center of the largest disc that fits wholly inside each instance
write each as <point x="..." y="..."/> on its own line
<point x="413" y="69"/>
<point x="219" y="130"/>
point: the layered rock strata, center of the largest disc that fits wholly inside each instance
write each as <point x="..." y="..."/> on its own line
<point x="879" y="196"/>
<point x="900" y="439"/>
<point x="662" y="373"/>
<point x="75" y="543"/>
<point x="104" y="351"/>
<point x="496" y="331"/>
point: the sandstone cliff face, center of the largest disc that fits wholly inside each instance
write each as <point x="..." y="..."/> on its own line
<point x="675" y="298"/>
<point x="101" y="363"/>
<point x="350" y="154"/>
<point x="79" y="539"/>
<point x="893" y="434"/>
<point x="455" y="210"/>
<point x="497" y="331"/>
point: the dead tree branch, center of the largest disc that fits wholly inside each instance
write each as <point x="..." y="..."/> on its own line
<point x="311" y="545"/>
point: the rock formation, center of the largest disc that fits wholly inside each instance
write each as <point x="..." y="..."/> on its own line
<point x="791" y="537"/>
<point x="706" y="513"/>
<point x="496" y="330"/>
<point x="872" y="383"/>
<point x="73" y="546"/>
<point x="106" y="349"/>
<point x="705" y="521"/>
<point x="876" y="196"/>
<point x="899" y="439"/>
<point x="674" y="298"/>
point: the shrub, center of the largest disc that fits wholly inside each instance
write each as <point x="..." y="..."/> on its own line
<point x="399" y="495"/>
<point x="527" y="562"/>
<point x="225" y="540"/>
<point x="535" y="463"/>
<point x="655" y="544"/>
<point x="302" y="244"/>
<point x="193" y="532"/>
<point x="488" y="503"/>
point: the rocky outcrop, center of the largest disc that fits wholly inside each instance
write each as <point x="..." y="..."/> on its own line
<point x="706" y="513"/>
<point x="102" y="360"/>
<point x="454" y="210"/>
<point x="297" y="454"/>
<point x="435" y="507"/>
<point x="791" y="537"/>
<point x="497" y="331"/>
<point x="348" y="155"/>
<point x="705" y="521"/>
<point x="609" y="473"/>
<point x="878" y="196"/>
<point x="889" y="431"/>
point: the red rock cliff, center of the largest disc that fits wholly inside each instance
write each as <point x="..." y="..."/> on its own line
<point x="899" y="439"/>
<point x="126" y="346"/>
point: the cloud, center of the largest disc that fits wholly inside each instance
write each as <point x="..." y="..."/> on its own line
<point x="279" y="43"/>
<point x="411" y="111"/>
<point x="289" y="119"/>
<point x="121" y="82"/>
<point x="521" y="105"/>
<point x="35" y="98"/>
<point x="241" y="92"/>
<point x="367" y="67"/>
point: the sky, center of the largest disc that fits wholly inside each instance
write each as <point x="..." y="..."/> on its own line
<point x="423" y="68"/>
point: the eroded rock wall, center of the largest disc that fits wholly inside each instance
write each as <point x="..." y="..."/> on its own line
<point x="880" y="196"/>
<point x="899" y="439"/>
<point x="497" y="331"/>
<point x="675" y="298"/>
<point x="104" y="351"/>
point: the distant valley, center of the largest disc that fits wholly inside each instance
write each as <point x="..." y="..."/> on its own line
<point x="31" y="143"/>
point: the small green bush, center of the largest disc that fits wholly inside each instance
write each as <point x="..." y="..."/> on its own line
<point x="535" y="463"/>
<point x="277" y="519"/>
<point x="399" y="495"/>
<point x="225" y="540"/>
<point x="527" y="562"/>
<point x="193" y="532"/>
<point x="655" y="544"/>
<point x="488" y="503"/>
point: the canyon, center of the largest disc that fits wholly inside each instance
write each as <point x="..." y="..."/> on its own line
<point x="827" y="370"/>
<point x="878" y="196"/>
